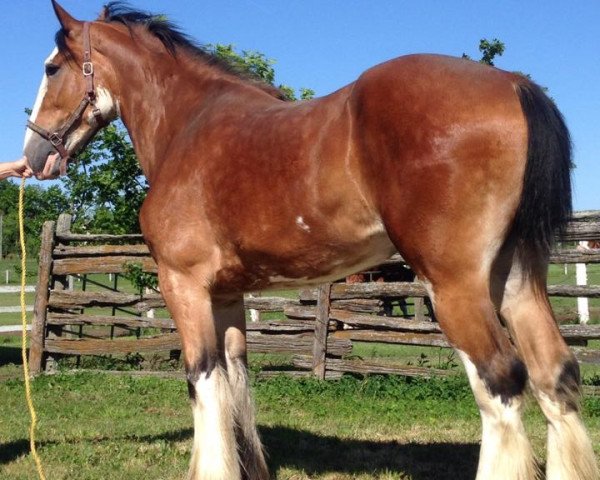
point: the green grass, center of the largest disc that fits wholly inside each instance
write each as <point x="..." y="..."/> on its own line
<point x="99" y="426"/>
<point x="13" y="265"/>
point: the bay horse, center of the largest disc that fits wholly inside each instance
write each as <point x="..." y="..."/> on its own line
<point x="462" y="168"/>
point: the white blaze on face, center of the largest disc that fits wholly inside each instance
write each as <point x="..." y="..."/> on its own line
<point x="39" y="99"/>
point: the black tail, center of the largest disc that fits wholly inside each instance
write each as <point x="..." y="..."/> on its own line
<point x="545" y="204"/>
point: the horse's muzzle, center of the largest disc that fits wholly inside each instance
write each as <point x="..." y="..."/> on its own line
<point x="43" y="159"/>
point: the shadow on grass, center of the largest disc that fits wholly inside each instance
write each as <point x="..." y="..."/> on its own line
<point x="318" y="454"/>
<point x="12" y="450"/>
<point x="10" y="354"/>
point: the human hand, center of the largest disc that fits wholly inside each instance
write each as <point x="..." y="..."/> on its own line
<point x="18" y="168"/>
<point x="22" y="168"/>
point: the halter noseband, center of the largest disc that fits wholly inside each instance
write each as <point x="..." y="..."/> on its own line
<point x="57" y="138"/>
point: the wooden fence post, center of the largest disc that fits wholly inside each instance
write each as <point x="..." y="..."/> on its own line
<point x="321" y="330"/>
<point x="59" y="282"/>
<point x="63" y="224"/>
<point x="38" y="327"/>
<point x="419" y="306"/>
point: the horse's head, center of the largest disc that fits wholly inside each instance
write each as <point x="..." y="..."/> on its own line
<point x="74" y="100"/>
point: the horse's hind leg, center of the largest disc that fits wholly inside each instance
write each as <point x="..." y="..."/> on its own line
<point x="231" y="325"/>
<point x="497" y="376"/>
<point x="553" y="370"/>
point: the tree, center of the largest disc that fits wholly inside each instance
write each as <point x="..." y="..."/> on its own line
<point x="489" y="50"/>
<point x="106" y="186"/>
<point x="41" y="204"/>
<point x="257" y="65"/>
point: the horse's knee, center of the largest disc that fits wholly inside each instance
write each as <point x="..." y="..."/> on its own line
<point x="558" y="386"/>
<point x="568" y="385"/>
<point x="505" y="376"/>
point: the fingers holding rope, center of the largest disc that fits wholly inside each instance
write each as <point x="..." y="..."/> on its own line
<point x="19" y="168"/>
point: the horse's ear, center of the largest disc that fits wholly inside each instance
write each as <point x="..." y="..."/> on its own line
<point x="67" y="22"/>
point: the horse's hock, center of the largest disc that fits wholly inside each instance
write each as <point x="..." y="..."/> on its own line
<point x="79" y="312"/>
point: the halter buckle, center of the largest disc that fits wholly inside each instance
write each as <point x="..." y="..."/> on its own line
<point x="88" y="69"/>
<point x="55" y="139"/>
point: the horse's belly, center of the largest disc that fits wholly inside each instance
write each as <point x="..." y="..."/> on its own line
<point x="327" y="263"/>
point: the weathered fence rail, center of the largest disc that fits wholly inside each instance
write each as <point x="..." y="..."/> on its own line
<point x="317" y="329"/>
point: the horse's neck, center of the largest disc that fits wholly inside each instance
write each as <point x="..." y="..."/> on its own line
<point x="156" y="112"/>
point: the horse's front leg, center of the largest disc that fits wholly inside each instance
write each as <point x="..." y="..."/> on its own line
<point x="214" y="453"/>
<point x="230" y="320"/>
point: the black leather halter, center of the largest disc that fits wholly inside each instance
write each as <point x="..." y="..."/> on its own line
<point x="57" y="138"/>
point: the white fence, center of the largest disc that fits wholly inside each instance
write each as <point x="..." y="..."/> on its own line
<point x="14" y="329"/>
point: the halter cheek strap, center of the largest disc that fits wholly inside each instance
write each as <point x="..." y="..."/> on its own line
<point x="57" y="138"/>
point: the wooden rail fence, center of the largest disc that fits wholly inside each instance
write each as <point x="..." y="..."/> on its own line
<point x="318" y="328"/>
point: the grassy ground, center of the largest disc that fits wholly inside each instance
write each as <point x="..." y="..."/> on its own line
<point x="100" y="426"/>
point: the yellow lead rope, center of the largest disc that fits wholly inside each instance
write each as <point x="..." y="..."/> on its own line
<point x="34" y="453"/>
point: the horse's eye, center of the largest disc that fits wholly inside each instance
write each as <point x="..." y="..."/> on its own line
<point x="51" y="69"/>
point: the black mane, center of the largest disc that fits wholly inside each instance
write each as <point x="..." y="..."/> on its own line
<point x="158" y="25"/>
<point x="173" y="39"/>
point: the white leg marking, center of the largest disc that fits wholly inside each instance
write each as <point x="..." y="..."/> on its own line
<point x="570" y="452"/>
<point x="505" y="451"/>
<point x="214" y="455"/>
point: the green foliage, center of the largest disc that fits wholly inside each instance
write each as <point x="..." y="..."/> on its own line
<point x="387" y="387"/>
<point x="256" y="65"/>
<point x="106" y="185"/>
<point x="40" y="205"/>
<point x="306" y="93"/>
<point x="129" y="362"/>
<point x="489" y="50"/>
<point x="141" y="280"/>
<point x="126" y="426"/>
<point x="249" y="61"/>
